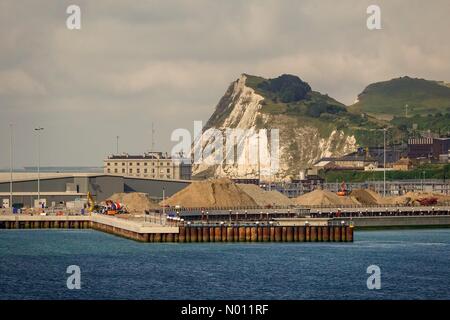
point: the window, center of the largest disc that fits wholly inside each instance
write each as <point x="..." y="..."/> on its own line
<point x="137" y="163"/>
<point x="168" y="170"/>
<point x="123" y="163"/>
<point x="109" y="170"/>
<point x="145" y="163"/>
<point x="115" y="163"/>
<point x="153" y="170"/>
<point x="145" y="170"/>
<point x="115" y="170"/>
<point x="108" y="164"/>
<point x="138" y="170"/>
<point x="123" y="170"/>
<point x="131" y="170"/>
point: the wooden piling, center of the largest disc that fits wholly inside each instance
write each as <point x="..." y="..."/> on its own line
<point x="188" y="234"/>
<point x="337" y="234"/>
<point x="325" y="234"/>
<point x="199" y="234"/>
<point x="223" y="230"/>
<point x="217" y="234"/>
<point x="253" y="234"/>
<point x="205" y="237"/>
<point x="182" y="234"/>
<point x="349" y="231"/>
<point x="278" y="234"/>
<point x="230" y="234"/>
<point x="266" y="234"/>
<point x="313" y="233"/>
<point x="343" y="234"/>
<point x="260" y="233"/>
<point x="295" y="231"/>
<point x="302" y="233"/>
<point x="236" y="234"/>
<point x="289" y="234"/>
<point x="272" y="234"/>
<point x="307" y="233"/>
<point x="193" y="234"/>
<point x="283" y="234"/>
<point x="212" y="234"/>
<point x="248" y="234"/>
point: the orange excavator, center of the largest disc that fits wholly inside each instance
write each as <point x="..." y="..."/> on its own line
<point x="343" y="191"/>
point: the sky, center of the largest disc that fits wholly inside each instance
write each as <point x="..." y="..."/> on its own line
<point x="135" y="62"/>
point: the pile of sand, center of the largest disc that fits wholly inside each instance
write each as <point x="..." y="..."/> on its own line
<point x="324" y="198"/>
<point x="370" y="197"/>
<point x="135" y="201"/>
<point x="265" y="198"/>
<point x="210" y="193"/>
<point x="413" y="197"/>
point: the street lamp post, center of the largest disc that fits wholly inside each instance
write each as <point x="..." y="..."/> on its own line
<point x="164" y="205"/>
<point x="11" y="168"/>
<point x="38" y="130"/>
<point x="384" y="162"/>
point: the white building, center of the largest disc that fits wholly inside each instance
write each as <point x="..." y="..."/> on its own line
<point x="156" y="165"/>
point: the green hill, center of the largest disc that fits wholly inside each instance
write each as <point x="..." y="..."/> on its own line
<point x="288" y="95"/>
<point x="390" y="98"/>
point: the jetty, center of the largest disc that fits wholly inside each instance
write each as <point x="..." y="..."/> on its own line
<point x="189" y="232"/>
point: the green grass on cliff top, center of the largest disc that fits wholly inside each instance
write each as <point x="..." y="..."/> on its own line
<point x="390" y="97"/>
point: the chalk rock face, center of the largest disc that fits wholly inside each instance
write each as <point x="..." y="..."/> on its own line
<point x="269" y="129"/>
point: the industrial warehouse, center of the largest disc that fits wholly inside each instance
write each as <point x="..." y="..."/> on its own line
<point x="53" y="189"/>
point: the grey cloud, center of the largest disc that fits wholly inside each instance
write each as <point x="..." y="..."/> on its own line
<point x="169" y="62"/>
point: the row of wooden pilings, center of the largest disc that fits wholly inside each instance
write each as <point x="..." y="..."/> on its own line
<point x="205" y="233"/>
<point x="45" y="224"/>
<point x="261" y="234"/>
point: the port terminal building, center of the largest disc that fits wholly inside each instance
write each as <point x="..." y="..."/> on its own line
<point x="59" y="188"/>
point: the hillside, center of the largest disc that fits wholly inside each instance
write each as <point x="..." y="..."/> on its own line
<point x="311" y="125"/>
<point x="390" y="98"/>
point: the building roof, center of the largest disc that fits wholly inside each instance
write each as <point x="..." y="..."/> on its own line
<point x="403" y="161"/>
<point x="321" y="163"/>
<point x="352" y="157"/>
<point x="29" y="176"/>
<point x="146" y="155"/>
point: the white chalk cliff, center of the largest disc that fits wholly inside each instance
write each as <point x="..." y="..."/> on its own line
<point x="300" y="142"/>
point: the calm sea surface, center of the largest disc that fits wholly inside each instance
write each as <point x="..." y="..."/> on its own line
<point x="415" y="264"/>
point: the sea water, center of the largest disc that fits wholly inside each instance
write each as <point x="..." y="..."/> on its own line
<point x="414" y="264"/>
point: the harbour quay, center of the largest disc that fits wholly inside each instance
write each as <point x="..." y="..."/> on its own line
<point x="187" y="232"/>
